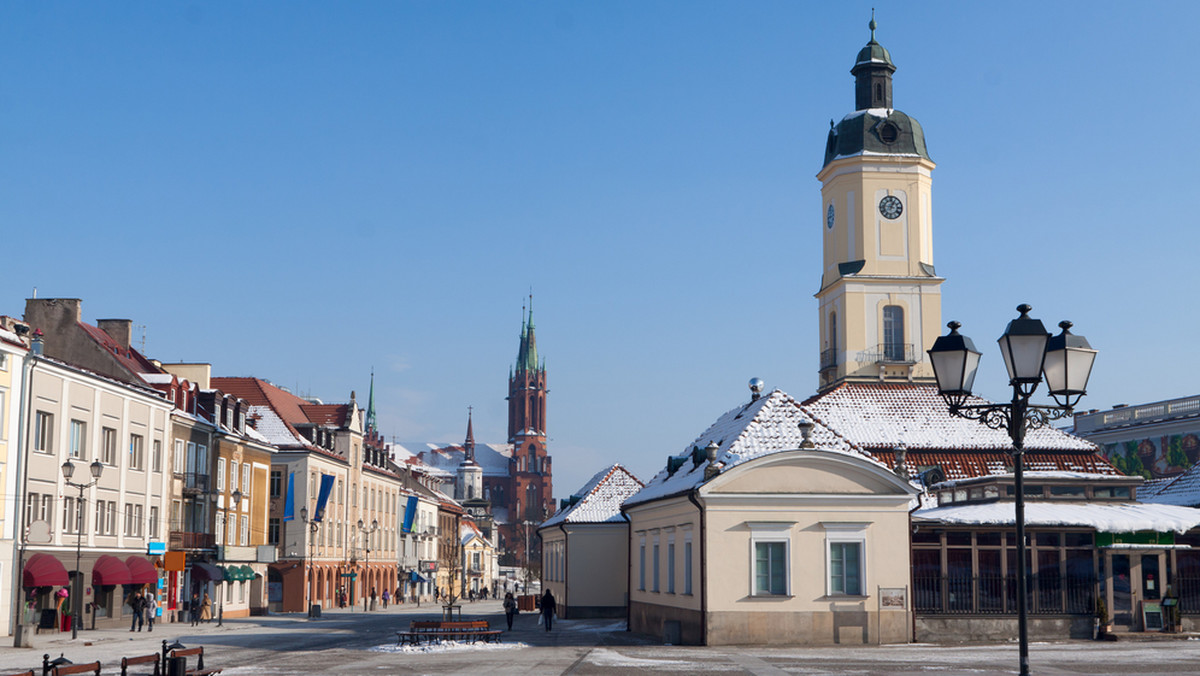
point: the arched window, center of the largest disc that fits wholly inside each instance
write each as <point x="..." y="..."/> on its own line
<point x="893" y="333"/>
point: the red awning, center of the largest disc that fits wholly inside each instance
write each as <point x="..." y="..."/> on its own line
<point x="141" y="571"/>
<point x="109" y="570"/>
<point x="44" y="570"/>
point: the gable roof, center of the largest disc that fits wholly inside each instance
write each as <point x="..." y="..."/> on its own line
<point x="1182" y="490"/>
<point x="769" y="424"/>
<point x="599" y="500"/>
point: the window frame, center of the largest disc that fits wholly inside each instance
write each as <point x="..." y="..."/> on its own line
<point x="108" y="446"/>
<point x="845" y="534"/>
<point x="137" y="452"/>
<point x="43" y="432"/>
<point x="768" y="533"/>
<point x="77" y="447"/>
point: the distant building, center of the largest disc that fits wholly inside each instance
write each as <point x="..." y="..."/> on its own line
<point x="585" y="547"/>
<point x="1155" y="441"/>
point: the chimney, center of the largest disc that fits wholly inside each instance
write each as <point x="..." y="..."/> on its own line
<point x="54" y="316"/>
<point x="119" y="329"/>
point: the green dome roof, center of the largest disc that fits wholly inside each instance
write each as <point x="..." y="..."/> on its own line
<point x="881" y="131"/>
<point x="873" y="53"/>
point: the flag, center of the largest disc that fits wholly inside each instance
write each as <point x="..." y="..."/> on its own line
<point x="410" y="513"/>
<point x="289" y="502"/>
<point x="323" y="496"/>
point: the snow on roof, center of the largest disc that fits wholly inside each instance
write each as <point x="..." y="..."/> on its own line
<point x="1036" y="475"/>
<point x="157" y="378"/>
<point x="874" y="415"/>
<point x="763" y="426"/>
<point x="272" y="428"/>
<point x="493" y="458"/>
<point x="600" y="498"/>
<point x="1182" y="490"/>
<point x="1106" y="518"/>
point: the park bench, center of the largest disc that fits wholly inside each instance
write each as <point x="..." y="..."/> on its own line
<point x="152" y="658"/>
<point x="67" y="669"/>
<point x="21" y="673"/>
<point x="198" y="652"/>
<point x="440" y="630"/>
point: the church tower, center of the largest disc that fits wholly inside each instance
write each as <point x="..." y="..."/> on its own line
<point x="530" y="464"/>
<point x="880" y="302"/>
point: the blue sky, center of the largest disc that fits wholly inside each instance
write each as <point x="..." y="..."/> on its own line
<point x="306" y="191"/>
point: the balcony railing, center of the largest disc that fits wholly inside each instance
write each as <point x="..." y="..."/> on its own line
<point x="187" y="540"/>
<point x="891" y="353"/>
<point x="997" y="595"/>
<point x="829" y="358"/>
<point x="193" y="481"/>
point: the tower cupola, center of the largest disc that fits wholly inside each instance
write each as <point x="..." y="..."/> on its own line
<point x="872" y="73"/>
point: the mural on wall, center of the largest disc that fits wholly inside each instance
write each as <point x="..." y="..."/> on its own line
<point x="1155" y="458"/>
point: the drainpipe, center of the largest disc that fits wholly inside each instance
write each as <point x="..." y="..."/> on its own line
<point x="628" y="570"/>
<point x="692" y="496"/>
<point x="566" y="567"/>
<point x="22" y="473"/>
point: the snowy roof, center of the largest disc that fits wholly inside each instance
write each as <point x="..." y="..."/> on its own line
<point x="884" y="416"/>
<point x="157" y="378"/>
<point x="763" y="426"/>
<point x="1037" y="475"/>
<point x="493" y="458"/>
<point x="600" y="498"/>
<point x="1181" y="490"/>
<point x="1106" y="518"/>
<point x="272" y="428"/>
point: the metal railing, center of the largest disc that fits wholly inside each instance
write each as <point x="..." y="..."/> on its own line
<point x="891" y="353"/>
<point x="997" y="595"/>
<point x="829" y="358"/>
<point x="189" y="540"/>
<point x="194" y="481"/>
<point x="1157" y="411"/>
<point x="1188" y="589"/>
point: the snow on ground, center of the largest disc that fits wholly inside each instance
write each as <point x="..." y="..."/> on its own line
<point x="603" y="657"/>
<point x="568" y="625"/>
<point x="448" y="647"/>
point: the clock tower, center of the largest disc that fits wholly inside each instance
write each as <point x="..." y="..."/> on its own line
<point x="879" y="302"/>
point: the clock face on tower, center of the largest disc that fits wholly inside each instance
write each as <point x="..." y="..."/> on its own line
<point x="890" y="207"/>
<point x="829" y="217"/>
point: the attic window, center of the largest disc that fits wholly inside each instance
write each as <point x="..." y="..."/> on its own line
<point x="888" y="133"/>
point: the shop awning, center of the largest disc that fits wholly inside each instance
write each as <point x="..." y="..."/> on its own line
<point x="414" y="576"/>
<point x="239" y="573"/>
<point x="141" y="571"/>
<point x="44" y="570"/>
<point x="206" y="572"/>
<point x="110" y="570"/>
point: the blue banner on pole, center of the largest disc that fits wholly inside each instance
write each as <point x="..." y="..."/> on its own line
<point x="410" y="513"/>
<point x="289" y="502"/>
<point x="323" y="497"/>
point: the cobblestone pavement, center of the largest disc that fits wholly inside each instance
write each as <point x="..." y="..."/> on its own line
<point x="345" y="642"/>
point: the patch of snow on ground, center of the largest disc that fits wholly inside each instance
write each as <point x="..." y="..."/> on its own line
<point x="448" y="647"/>
<point x="603" y="657"/>
<point x="589" y="627"/>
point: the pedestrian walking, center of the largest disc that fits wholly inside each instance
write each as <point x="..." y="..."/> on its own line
<point x="510" y="609"/>
<point x="548" y="607"/>
<point x="151" y="605"/>
<point x="373" y="595"/>
<point x="137" y="608"/>
<point x="194" y="608"/>
<point x="385" y="596"/>
<point x="398" y="596"/>
<point x="206" y="609"/>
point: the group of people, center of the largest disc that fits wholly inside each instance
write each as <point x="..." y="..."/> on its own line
<point x="200" y="610"/>
<point x="144" y="606"/>
<point x="549" y="606"/>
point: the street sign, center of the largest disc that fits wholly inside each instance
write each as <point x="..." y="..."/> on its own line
<point x="350" y="575"/>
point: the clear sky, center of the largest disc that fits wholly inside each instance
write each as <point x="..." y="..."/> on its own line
<point x="305" y="191"/>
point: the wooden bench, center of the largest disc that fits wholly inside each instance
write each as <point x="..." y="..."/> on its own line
<point x="127" y="662"/>
<point x="199" y="653"/>
<point x="470" y="630"/>
<point x="67" y="669"/>
<point x="22" y="673"/>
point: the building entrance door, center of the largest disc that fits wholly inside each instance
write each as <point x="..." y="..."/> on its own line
<point x="1132" y="577"/>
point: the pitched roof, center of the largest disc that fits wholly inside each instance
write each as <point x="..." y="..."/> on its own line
<point x="1110" y="518"/>
<point x="766" y="425"/>
<point x="599" y="501"/>
<point x="885" y="415"/>
<point x="1180" y="490"/>
<point x="492" y="458"/>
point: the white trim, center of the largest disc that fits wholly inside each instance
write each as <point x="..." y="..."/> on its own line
<point x="846" y="533"/>
<point x="767" y="532"/>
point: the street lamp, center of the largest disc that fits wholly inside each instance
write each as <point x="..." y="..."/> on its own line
<point x="237" y="501"/>
<point x="367" y="566"/>
<point x="1030" y="354"/>
<point x="68" y="470"/>
<point x="313" y="526"/>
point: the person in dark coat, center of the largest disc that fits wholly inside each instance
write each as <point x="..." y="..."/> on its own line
<point x="137" y="606"/>
<point x="510" y="609"/>
<point x="548" y="607"/>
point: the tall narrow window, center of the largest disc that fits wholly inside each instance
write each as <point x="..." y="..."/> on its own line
<point x="833" y="341"/>
<point x="43" y="432"/>
<point x="157" y="456"/>
<point x="671" y="564"/>
<point x="78" y="438"/>
<point x="642" y="565"/>
<point x="770" y="568"/>
<point x="137" y="451"/>
<point x="687" y="565"/>
<point x="654" y="566"/>
<point x="844" y="569"/>
<point x="108" y="446"/>
<point x="893" y="333"/>
<point x="179" y="462"/>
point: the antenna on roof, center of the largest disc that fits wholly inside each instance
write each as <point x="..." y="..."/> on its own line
<point x="142" y="349"/>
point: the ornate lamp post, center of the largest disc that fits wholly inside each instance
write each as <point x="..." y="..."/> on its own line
<point x="68" y="471"/>
<point x="362" y="528"/>
<point x="1030" y="354"/>
<point x="313" y="526"/>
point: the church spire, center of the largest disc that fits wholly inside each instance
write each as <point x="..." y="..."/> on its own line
<point x="469" y="444"/>
<point x="872" y="73"/>
<point x="370" y="422"/>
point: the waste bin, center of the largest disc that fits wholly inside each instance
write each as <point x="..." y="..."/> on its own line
<point x="176" y="666"/>
<point x="314" y="610"/>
